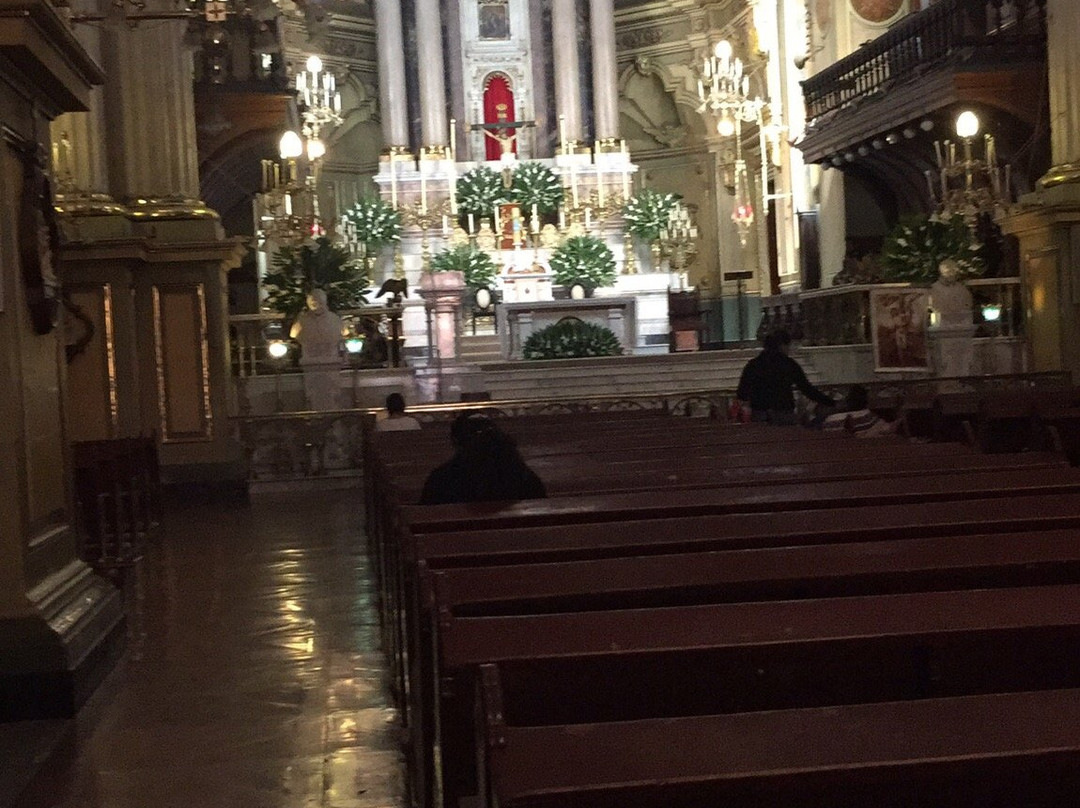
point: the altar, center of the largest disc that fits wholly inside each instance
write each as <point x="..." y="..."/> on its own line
<point x="516" y="321"/>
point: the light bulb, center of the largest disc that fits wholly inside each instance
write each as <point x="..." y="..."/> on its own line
<point x="726" y="126"/>
<point x="723" y="50"/>
<point x="967" y="124"/>
<point x="277" y="348"/>
<point x="314" y="64"/>
<point x="315" y="149"/>
<point x="290" y="146"/>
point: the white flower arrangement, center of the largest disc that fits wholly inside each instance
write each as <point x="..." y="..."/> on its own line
<point x="648" y="213"/>
<point x="479" y="191"/>
<point x="374" y="222"/>
<point x="916" y="246"/>
<point x="535" y="184"/>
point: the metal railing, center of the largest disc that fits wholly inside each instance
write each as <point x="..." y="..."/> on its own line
<point x="967" y="30"/>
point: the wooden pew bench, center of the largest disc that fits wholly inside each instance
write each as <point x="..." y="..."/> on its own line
<point x="996" y="750"/>
<point x="644" y="664"/>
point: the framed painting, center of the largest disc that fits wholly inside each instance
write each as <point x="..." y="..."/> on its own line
<point x="494" y="19"/>
<point x="898" y="327"/>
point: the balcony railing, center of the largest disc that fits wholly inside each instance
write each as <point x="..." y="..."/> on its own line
<point x="950" y="30"/>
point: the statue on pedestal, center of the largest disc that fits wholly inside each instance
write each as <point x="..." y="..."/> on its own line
<point x="319" y="332"/>
<point x="954" y="326"/>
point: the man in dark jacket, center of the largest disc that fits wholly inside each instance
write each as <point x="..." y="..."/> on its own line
<point x="767" y="379"/>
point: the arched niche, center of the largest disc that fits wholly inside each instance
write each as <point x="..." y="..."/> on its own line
<point x="498" y="106"/>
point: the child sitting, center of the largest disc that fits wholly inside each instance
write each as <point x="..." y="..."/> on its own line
<point x="857" y="417"/>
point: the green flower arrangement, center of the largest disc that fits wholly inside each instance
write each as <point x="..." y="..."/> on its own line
<point x="536" y="185"/>
<point x="585" y="260"/>
<point x="376" y="223"/>
<point x="571" y="338"/>
<point x="648" y="213"/>
<point x="474" y="263"/>
<point x="479" y="190"/>
<point x="322" y="264"/>
<point x="915" y="247"/>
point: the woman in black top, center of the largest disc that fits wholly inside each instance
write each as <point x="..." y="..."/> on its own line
<point x="486" y="467"/>
<point x="767" y="380"/>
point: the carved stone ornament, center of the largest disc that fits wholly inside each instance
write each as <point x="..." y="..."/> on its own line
<point x="641" y="38"/>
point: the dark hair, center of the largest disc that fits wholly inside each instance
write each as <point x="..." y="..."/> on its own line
<point x="858" y="398"/>
<point x="495" y="464"/>
<point x="775" y="340"/>
<point x="395" y="403"/>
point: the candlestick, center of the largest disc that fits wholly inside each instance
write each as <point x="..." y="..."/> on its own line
<point x="453" y="140"/>
<point x="535" y="219"/>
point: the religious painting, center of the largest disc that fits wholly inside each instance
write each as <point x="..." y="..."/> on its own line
<point x="898" y="325"/>
<point x="494" y="19"/>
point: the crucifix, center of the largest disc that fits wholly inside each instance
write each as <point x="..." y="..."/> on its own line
<point x="502" y="132"/>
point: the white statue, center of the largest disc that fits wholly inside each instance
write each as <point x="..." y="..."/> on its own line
<point x="319" y="332"/>
<point x="949" y="298"/>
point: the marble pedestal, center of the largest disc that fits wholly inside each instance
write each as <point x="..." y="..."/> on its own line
<point x="322" y="386"/>
<point x="954" y="349"/>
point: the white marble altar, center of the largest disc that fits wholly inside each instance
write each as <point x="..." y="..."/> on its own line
<point x="518" y="320"/>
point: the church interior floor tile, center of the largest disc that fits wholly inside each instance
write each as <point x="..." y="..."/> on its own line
<point x="253" y="676"/>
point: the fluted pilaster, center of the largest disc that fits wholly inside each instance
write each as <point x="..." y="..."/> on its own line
<point x="1064" y="78"/>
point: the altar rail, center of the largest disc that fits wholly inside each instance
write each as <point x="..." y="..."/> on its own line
<point x="251" y="334"/>
<point x="841" y="315"/>
<point x="327" y="447"/>
<point x="949" y="30"/>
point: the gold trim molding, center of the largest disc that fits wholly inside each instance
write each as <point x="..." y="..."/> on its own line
<point x="1061" y="175"/>
<point x="172" y="207"/>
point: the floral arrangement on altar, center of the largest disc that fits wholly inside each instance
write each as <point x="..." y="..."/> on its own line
<point x="648" y="213"/>
<point x="475" y="264"/>
<point x="536" y="186"/>
<point x="571" y="338"/>
<point x="321" y="264"/>
<point x="583" y="259"/>
<point x="373" y="222"/>
<point x="916" y="246"/>
<point x="479" y="190"/>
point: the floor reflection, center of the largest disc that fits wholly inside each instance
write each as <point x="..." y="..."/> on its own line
<point x="253" y="676"/>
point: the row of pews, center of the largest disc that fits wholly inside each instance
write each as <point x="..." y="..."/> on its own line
<point x="708" y="614"/>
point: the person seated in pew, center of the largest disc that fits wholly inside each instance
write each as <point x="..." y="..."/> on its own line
<point x="486" y="467"/>
<point x="396" y="420"/>
<point x="857" y="418"/>
<point x="766" y="382"/>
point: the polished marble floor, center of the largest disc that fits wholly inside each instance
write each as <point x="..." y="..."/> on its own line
<point x="253" y="676"/>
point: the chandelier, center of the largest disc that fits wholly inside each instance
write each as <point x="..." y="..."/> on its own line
<point x="320" y="102"/>
<point x="724" y="92"/>
<point x="967" y="185"/>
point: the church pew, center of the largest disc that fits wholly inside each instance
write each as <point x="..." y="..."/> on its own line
<point x="641" y="664"/>
<point x="750" y="499"/>
<point x="979" y="751"/>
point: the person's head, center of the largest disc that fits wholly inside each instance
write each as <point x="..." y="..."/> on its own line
<point x="858" y="398"/>
<point x="949" y="270"/>
<point x="777" y="341"/>
<point x="472" y="430"/>
<point x="316" y="300"/>
<point x="395" y="404"/>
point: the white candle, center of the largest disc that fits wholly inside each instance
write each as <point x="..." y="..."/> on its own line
<point x="588" y="217"/>
<point x="423" y="183"/>
<point x="562" y="133"/>
<point x="562" y="218"/>
<point x="625" y="186"/>
<point x="535" y="219"/>
<point x="498" y="229"/>
<point x="446" y="225"/>
<point x="600" y="186"/>
<point x="573" y="185"/>
<point x="472" y="224"/>
<point x="288" y="204"/>
<point x="453" y="140"/>
<point x="393" y="182"/>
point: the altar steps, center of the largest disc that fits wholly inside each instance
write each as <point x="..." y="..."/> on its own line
<point x="616" y="375"/>
<point x="477" y="348"/>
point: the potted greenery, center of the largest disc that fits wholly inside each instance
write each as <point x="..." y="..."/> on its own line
<point x="320" y="264"/>
<point x="571" y="338"/>
<point x="646" y="216"/>
<point x="473" y="263"/>
<point x="584" y="261"/>
<point x="915" y="248"/>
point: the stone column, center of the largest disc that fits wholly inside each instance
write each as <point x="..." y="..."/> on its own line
<point x="433" y="131"/>
<point x="605" y="85"/>
<point x="150" y="113"/>
<point x="393" y="102"/>
<point x="564" y="37"/>
<point x="1063" y="58"/>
